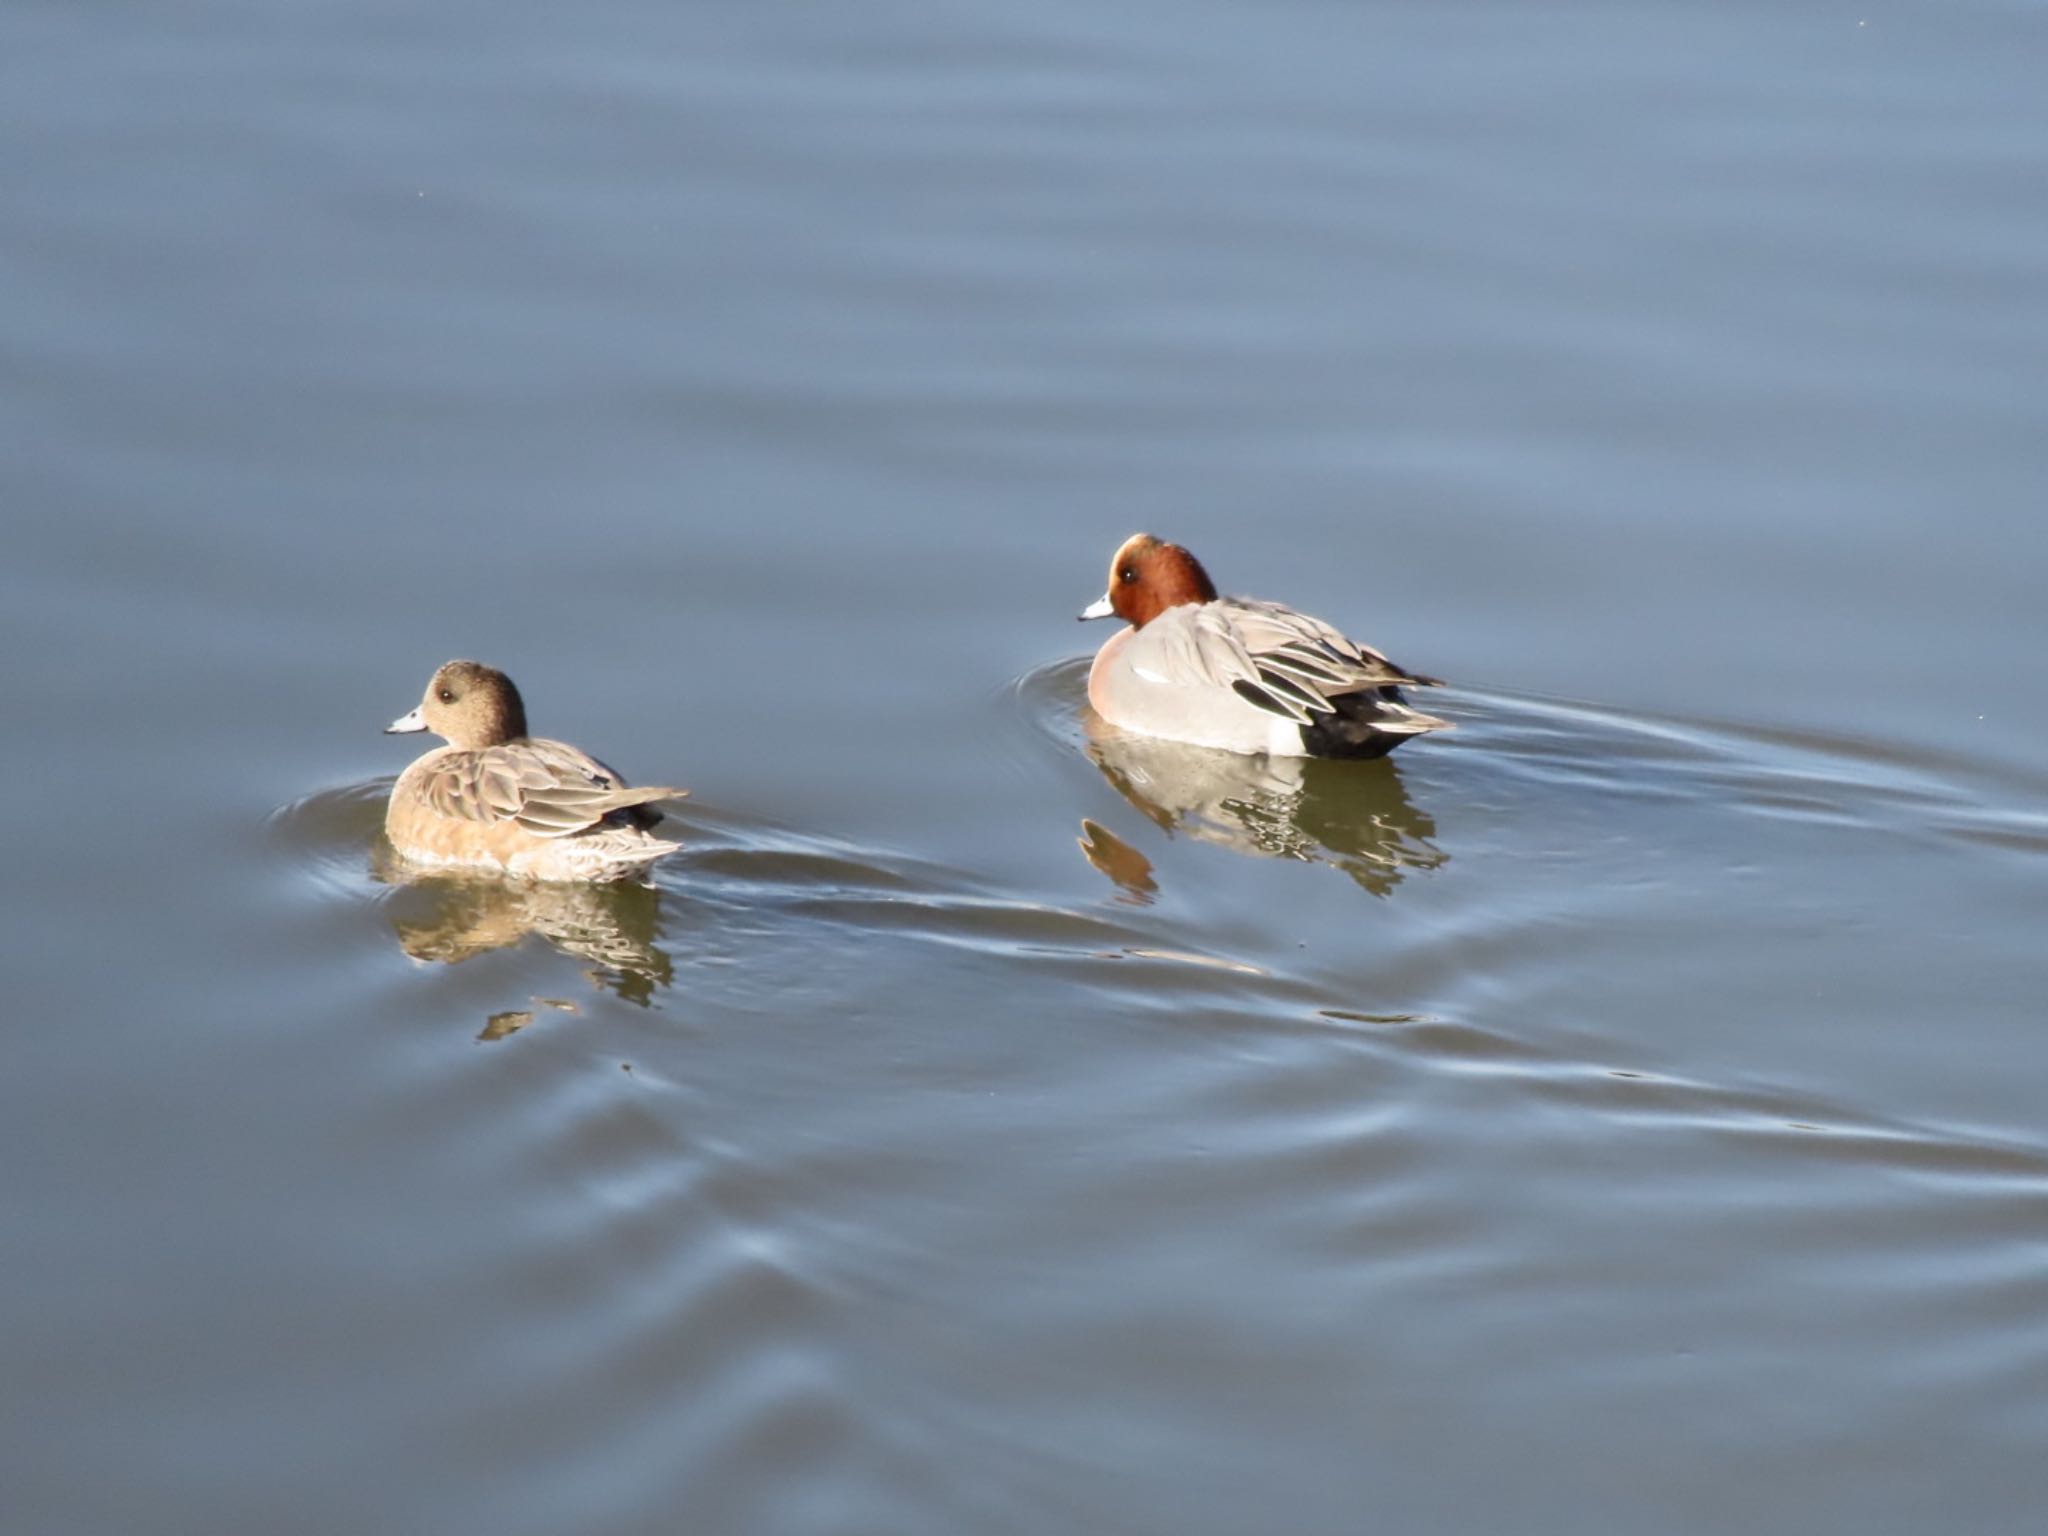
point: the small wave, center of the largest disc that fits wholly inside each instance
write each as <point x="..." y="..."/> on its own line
<point x="1768" y="771"/>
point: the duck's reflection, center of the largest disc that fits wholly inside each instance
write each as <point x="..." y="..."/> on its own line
<point x="449" y="918"/>
<point x="1355" y="816"/>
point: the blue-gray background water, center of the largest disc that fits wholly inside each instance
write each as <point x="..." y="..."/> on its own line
<point x="1621" y="1114"/>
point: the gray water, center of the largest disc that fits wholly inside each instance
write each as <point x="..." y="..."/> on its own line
<point x="1620" y="1114"/>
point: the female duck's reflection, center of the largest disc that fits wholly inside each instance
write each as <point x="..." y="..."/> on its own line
<point x="450" y="918"/>
<point x="1355" y="816"/>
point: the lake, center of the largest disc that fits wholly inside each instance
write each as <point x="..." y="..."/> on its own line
<point x="1621" y="1113"/>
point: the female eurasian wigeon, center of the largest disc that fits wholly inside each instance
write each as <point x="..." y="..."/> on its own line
<point x="1238" y="674"/>
<point x="497" y="798"/>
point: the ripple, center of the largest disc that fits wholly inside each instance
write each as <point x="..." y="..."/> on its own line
<point x="1768" y="771"/>
<point x="1126" y="1153"/>
<point x="327" y="833"/>
<point x="740" y="885"/>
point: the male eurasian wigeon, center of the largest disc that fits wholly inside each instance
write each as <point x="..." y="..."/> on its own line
<point x="1238" y="674"/>
<point x="497" y="798"/>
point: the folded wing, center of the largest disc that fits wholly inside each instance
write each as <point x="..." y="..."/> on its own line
<point x="1287" y="663"/>
<point x="547" y="787"/>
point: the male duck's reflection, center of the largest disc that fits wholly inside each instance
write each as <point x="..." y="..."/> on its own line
<point x="449" y="918"/>
<point x="1354" y="816"/>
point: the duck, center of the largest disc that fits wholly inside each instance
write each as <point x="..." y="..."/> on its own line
<point x="497" y="799"/>
<point x="1238" y="674"/>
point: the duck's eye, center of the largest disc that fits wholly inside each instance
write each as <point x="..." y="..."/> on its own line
<point x="1128" y="573"/>
<point x="446" y="695"/>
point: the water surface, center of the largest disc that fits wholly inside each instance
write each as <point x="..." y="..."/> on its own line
<point x="1618" y="1114"/>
